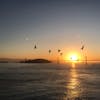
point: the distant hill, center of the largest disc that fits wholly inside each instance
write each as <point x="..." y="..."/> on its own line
<point x="36" y="61"/>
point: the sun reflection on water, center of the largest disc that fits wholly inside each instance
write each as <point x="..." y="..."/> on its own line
<point x="73" y="86"/>
<point x="73" y="65"/>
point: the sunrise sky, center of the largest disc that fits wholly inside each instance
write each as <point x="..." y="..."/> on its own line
<point x="50" y="24"/>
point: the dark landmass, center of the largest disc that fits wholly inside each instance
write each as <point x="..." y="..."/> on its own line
<point x="36" y="61"/>
<point x="3" y="61"/>
<point x="12" y="60"/>
<point x="9" y="60"/>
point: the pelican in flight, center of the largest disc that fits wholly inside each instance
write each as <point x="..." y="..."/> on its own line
<point x="82" y="47"/>
<point x="35" y="47"/>
<point x="49" y="51"/>
<point x="59" y="50"/>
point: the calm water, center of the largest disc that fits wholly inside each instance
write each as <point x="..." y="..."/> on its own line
<point x="49" y="82"/>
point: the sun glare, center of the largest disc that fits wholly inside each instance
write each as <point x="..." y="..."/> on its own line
<point x="74" y="57"/>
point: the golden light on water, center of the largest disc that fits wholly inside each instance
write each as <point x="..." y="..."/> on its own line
<point x="73" y="86"/>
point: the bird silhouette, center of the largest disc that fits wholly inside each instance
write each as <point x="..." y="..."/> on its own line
<point x="59" y="50"/>
<point x="82" y="47"/>
<point x="35" y="47"/>
<point x="49" y="51"/>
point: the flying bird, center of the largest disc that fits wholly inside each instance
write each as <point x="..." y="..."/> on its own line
<point x="35" y="47"/>
<point x="61" y="54"/>
<point x="59" y="50"/>
<point x="49" y="51"/>
<point x="82" y="47"/>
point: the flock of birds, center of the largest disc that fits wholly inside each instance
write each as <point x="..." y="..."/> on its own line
<point x="60" y="52"/>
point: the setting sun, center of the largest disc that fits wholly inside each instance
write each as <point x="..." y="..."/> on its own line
<point x="74" y="57"/>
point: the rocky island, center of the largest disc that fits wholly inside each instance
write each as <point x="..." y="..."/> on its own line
<point x="36" y="61"/>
